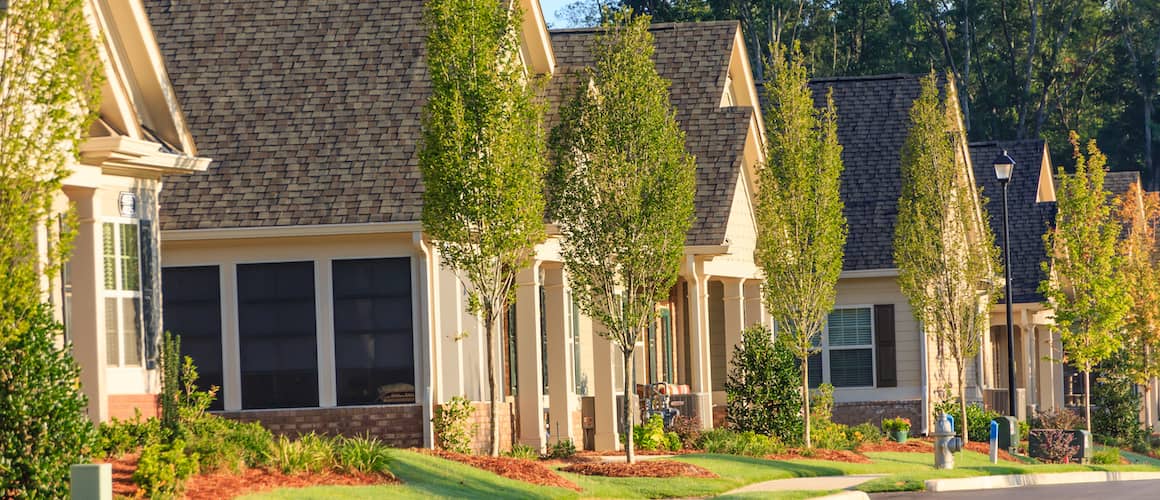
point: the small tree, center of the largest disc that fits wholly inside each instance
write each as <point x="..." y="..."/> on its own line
<point x="1085" y="286"/>
<point x="482" y="159"/>
<point x="761" y="389"/>
<point x="801" y="230"/>
<point x="623" y="189"/>
<point x="942" y="244"/>
<point x="1139" y="214"/>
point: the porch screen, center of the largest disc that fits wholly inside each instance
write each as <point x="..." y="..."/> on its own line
<point x="192" y="310"/>
<point x="276" y="334"/>
<point x="373" y="334"/>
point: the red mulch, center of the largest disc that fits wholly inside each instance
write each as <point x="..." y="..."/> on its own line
<point x="647" y="468"/>
<point x="821" y="454"/>
<point x="228" y="485"/>
<point x="614" y="453"/>
<point x="910" y="446"/>
<point x="985" y="449"/>
<point x="528" y="471"/>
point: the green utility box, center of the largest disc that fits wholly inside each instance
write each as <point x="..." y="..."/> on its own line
<point x="1008" y="433"/>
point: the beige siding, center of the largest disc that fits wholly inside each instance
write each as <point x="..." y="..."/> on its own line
<point x="871" y="291"/>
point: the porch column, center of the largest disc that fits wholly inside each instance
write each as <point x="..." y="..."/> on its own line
<point x="529" y="400"/>
<point x="561" y="386"/>
<point x="1047" y="380"/>
<point x="754" y="309"/>
<point x="1027" y="360"/>
<point x="734" y="299"/>
<point x="88" y="312"/>
<point x="607" y="362"/>
<point x="699" y="345"/>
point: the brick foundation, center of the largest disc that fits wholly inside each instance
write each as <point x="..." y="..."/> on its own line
<point x="480" y="421"/>
<point x="397" y="425"/>
<point x="125" y="406"/>
<point x="876" y="411"/>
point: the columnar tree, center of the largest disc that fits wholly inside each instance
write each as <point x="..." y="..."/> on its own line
<point x="482" y="158"/>
<point x="801" y="230"/>
<point x="623" y="189"/>
<point x="943" y="247"/>
<point x="1139" y="214"/>
<point x="1085" y="285"/>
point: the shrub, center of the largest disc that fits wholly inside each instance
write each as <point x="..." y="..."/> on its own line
<point x="1115" y="404"/>
<point x="762" y="388"/>
<point x="650" y="435"/>
<point x="1054" y="445"/>
<point x="451" y="429"/>
<point x="673" y="441"/>
<point x="830" y="435"/>
<point x="897" y="424"/>
<point x="748" y="443"/>
<point x="1107" y="456"/>
<point x="43" y="426"/>
<point x="1063" y="418"/>
<point x="688" y="429"/>
<point x="522" y="451"/>
<point x="118" y="437"/>
<point x="227" y="444"/>
<point x="863" y="433"/>
<point x="562" y="449"/>
<point x="367" y="455"/>
<point x="163" y="469"/>
<point x="978" y="418"/>
<point x="309" y="453"/>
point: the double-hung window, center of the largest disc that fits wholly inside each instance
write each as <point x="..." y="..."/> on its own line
<point x="846" y="355"/>
<point x="122" y="292"/>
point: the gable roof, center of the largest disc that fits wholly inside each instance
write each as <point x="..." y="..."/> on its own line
<point x="1029" y="218"/>
<point x="873" y="121"/>
<point x="694" y="57"/>
<point x="1117" y="183"/>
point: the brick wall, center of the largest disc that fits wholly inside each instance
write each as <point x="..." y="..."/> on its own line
<point x="124" y="406"/>
<point x="397" y="425"/>
<point x="876" y="411"/>
<point x="480" y="421"/>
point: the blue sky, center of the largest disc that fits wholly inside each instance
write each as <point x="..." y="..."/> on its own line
<point x="550" y="7"/>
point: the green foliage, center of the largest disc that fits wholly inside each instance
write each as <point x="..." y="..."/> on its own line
<point x="831" y="435"/>
<point x="366" y="454"/>
<point x="522" y="451"/>
<point x="1054" y="445"/>
<point x="308" y="453"/>
<point x="739" y="443"/>
<point x="1115" y="403"/>
<point x="163" y="468"/>
<point x="170" y="358"/>
<point x="118" y="437"/>
<point x="482" y="157"/>
<point x="1107" y="456"/>
<point x="650" y="435"/>
<point x="452" y="433"/>
<point x="942" y="243"/>
<point x="228" y="444"/>
<point x="51" y="80"/>
<point x="863" y="433"/>
<point x="43" y="427"/>
<point x="562" y="449"/>
<point x="1086" y="288"/>
<point x="688" y="429"/>
<point x="801" y="229"/>
<point x="896" y="424"/>
<point x="978" y="418"/>
<point x="762" y="389"/>
<point x="622" y="187"/>
<point x="1062" y="418"/>
<point x="673" y="441"/>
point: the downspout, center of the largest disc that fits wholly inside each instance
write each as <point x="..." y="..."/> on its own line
<point x="427" y="347"/>
<point x="925" y="380"/>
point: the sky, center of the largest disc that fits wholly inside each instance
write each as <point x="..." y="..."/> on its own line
<point x="550" y="7"/>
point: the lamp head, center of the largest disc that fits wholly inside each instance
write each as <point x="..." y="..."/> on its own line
<point x="1003" y="166"/>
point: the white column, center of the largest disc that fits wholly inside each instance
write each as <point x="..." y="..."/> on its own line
<point x="606" y="362"/>
<point x="754" y="309"/>
<point x="1047" y="380"/>
<point x="699" y="344"/>
<point x="734" y="299"/>
<point x="529" y="400"/>
<point x="88" y="308"/>
<point x="231" y="341"/>
<point x="561" y="386"/>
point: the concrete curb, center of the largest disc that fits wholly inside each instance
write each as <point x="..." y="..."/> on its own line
<point x="846" y="495"/>
<point x="1018" y="480"/>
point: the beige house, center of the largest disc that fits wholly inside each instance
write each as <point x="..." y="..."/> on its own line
<point x="297" y="270"/>
<point x="108" y="295"/>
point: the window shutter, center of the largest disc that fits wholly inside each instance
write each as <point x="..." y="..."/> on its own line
<point x="150" y="291"/>
<point x="884" y="342"/>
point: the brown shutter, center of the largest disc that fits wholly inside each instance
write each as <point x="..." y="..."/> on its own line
<point x="884" y="342"/>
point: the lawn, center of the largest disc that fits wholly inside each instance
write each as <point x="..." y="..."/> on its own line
<point x="430" y="477"/>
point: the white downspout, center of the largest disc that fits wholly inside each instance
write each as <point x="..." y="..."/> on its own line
<point x="428" y="361"/>
<point x="925" y="379"/>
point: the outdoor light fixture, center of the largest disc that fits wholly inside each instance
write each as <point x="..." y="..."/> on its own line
<point x="1004" y="166"/>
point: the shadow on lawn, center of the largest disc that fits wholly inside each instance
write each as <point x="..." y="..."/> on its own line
<point x="426" y="475"/>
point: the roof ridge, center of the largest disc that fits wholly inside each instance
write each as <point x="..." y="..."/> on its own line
<point x="651" y="27"/>
<point x="887" y="76"/>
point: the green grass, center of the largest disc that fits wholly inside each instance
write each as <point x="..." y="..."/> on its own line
<point x="781" y="495"/>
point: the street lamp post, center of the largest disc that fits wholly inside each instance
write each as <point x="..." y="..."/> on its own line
<point x="1004" y="165"/>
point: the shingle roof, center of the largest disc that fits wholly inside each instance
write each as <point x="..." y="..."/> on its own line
<point x="310" y="111"/>
<point x="1029" y="220"/>
<point x="694" y="57"/>
<point x="873" y="120"/>
<point x="1117" y="183"/>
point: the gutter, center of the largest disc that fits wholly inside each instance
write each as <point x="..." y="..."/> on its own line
<point x="427" y="355"/>
<point x="925" y="380"/>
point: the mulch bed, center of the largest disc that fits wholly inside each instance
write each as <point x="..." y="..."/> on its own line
<point x="910" y="446"/>
<point x="985" y="449"/>
<point x="228" y="485"/>
<point x="821" y="454"/>
<point x="614" y="453"/>
<point x="528" y="471"/>
<point x="646" y="468"/>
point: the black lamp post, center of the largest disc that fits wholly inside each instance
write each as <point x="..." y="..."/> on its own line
<point x="1003" y="167"/>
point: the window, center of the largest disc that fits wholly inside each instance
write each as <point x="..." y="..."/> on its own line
<point x="846" y="358"/>
<point x="122" y="294"/>
<point x="373" y="331"/>
<point x="192" y="309"/>
<point x="276" y="335"/>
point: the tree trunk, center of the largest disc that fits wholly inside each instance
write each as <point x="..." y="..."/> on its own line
<point x="806" y="401"/>
<point x="492" y="387"/>
<point x="1087" y="395"/>
<point x="629" y="453"/>
<point x="1148" y="137"/>
<point x="963" y="402"/>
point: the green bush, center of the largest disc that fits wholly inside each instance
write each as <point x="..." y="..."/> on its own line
<point x="367" y="455"/>
<point x="522" y="451"/>
<point x="863" y="433"/>
<point x="651" y="435"/>
<point x="118" y="437"/>
<point x="673" y="441"/>
<point x="451" y="430"/>
<point x="978" y="418"/>
<point x="43" y="426"/>
<point x="1115" y="404"/>
<point x="562" y="449"/>
<point x="1107" y="456"/>
<point x="163" y="469"/>
<point x="225" y="444"/>
<point x="726" y="441"/>
<point x="762" y="390"/>
<point x="309" y="453"/>
<point x="830" y="435"/>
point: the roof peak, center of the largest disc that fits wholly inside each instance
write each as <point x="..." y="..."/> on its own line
<point x="651" y="27"/>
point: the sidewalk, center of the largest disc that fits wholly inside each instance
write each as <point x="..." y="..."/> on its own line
<point x="821" y="483"/>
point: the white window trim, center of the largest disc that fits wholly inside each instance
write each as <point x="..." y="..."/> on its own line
<point x="117" y="293"/>
<point x="825" y="352"/>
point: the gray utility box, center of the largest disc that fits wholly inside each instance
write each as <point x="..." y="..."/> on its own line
<point x="1080" y="439"/>
<point x="1008" y="433"/>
